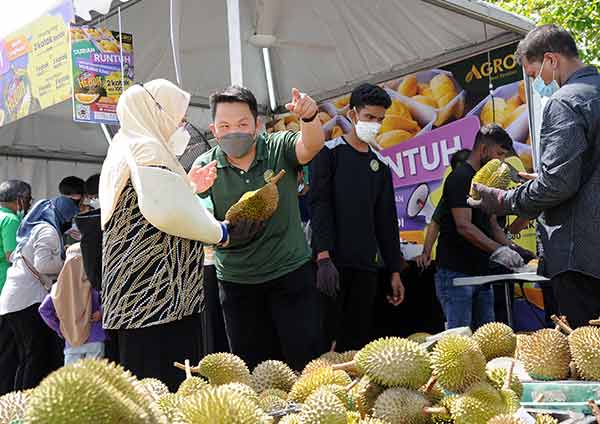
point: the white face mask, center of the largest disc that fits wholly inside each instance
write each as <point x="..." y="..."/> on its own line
<point x="179" y="140"/>
<point x="367" y="131"/>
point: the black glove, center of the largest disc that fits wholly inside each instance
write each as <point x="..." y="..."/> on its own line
<point x="527" y="255"/>
<point x="328" y="278"/>
<point x="244" y="230"/>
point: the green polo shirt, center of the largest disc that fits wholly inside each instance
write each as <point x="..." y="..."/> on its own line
<point x="281" y="248"/>
<point x="9" y="224"/>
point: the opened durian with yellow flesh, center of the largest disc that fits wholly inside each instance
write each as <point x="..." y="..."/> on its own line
<point x="495" y="174"/>
<point x="257" y="205"/>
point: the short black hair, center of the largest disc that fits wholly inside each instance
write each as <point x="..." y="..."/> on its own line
<point x="92" y="185"/>
<point x="71" y="186"/>
<point x="234" y="94"/>
<point x="493" y="135"/>
<point x="11" y="190"/>
<point x="369" y="95"/>
<point x="459" y="157"/>
<point x="546" y="39"/>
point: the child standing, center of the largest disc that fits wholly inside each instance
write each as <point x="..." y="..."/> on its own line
<point x="72" y="309"/>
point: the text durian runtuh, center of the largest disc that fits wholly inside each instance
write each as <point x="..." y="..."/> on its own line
<point x="257" y="205"/>
<point x="495" y="174"/>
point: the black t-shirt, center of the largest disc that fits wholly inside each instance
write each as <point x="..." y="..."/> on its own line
<point x="454" y="252"/>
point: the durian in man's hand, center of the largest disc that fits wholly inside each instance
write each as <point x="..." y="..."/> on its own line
<point x="257" y="205"/>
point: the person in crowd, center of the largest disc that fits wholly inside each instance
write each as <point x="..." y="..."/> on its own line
<point x="354" y="217"/>
<point x="72" y="309"/>
<point x="90" y="193"/>
<point x="152" y="277"/>
<point x="563" y="196"/>
<point x="432" y="230"/>
<point x="15" y="201"/>
<point x="266" y="282"/>
<point x="469" y="238"/>
<point x="72" y="187"/>
<point x="36" y="262"/>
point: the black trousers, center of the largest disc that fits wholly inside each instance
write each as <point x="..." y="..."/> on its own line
<point x="9" y="361"/>
<point x="213" y="323"/>
<point x="278" y="319"/>
<point x="39" y="349"/>
<point x="349" y="316"/>
<point x="151" y="351"/>
<point x="578" y="297"/>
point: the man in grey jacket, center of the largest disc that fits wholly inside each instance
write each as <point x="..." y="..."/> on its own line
<point x="565" y="195"/>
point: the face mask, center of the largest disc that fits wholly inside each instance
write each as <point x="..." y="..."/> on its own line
<point x="179" y="140"/>
<point x="236" y="144"/>
<point x="367" y="131"/>
<point x="543" y="89"/>
<point x="92" y="203"/>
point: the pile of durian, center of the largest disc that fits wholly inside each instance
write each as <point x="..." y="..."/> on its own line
<point x="390" y="381"/>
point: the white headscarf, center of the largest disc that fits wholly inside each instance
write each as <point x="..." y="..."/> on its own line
<point x="145" y="132"/>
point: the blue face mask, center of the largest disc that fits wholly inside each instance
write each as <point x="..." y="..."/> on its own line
<point x="543" y="89"/>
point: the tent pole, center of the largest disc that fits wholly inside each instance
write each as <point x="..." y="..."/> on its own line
<point x="269" y="74"/>
<point x="235" y="42"/>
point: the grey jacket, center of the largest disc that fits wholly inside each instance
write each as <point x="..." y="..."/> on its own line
<point x="566" y="194"/>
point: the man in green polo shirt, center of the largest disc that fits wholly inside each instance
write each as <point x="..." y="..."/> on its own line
<point x="266" y="283"/>
<point x="15" y="200"/>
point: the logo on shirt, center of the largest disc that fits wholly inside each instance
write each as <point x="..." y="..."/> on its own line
<point x="375" y="165"/>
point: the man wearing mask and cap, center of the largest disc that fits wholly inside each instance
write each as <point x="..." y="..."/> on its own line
<point x="354" y="217"/>
<point x="564" y="194"/>
<point x="266" y="282"/>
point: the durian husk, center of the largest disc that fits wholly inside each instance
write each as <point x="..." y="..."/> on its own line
<point x="458" y="363"/>
<point x="546" y="355"/>
<point x="400" y="405"/>
<point x="258" y="205"/>
<point x="496" y="340"/>
<point x="584" y="343"/>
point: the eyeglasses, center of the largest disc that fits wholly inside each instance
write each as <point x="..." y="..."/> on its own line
<point x="184" y="122"/>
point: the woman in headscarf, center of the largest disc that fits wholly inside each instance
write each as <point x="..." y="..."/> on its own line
<point x="36" y="262"/>
<point x="151" y="277"/>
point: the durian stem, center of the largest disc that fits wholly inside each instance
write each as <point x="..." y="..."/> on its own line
<point x="564" y="327"/>
<point x="435" y="410"/>
<point x="430" y="384"/>
<point x="509" y="376"/>
<point x="277" y="177"/>
<point x="188" y="369"/>
<point x="346" y="366"/>
<point x="539" y="398"/>
<point x="595" y="321"/>
<point x="352" y="385"/>
<point x="195" y="370"/>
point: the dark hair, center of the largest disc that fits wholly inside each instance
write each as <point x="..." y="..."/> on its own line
<point x="234" y="94"/>
<point x="11" y="190"/>
<point x="91" y="185"/>
<point x="70" y="186"/>
<point x="493" y="135"/>
<point x="546" y="39"/>
<point x="459" y="157"/>
<point x="369" y="95"/>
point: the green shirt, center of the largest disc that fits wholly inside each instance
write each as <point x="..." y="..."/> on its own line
<point x="281" y="248"/>
<point x="9" y="224"/>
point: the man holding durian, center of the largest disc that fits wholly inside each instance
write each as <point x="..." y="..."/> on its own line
<point x="266" y="281"/>
<point x="354" y="218"/>
<point x="565" y="193"/>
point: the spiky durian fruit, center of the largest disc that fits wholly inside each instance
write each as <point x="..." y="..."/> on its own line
<point x="274" y="392"/>
<point x="191" y="386"/>
<point x="471" y="410"/>
<point x="401" y="406"/>
<point x="308" y="383"/>
<point x="257" y="205"/>
<point x="323" y="407"/>
<point x="348" y="355"/>
<point x="341" y="393"/>
<point x="419" y="337"/>
<point x="243" y="390"/>
<point x="291" y="419"/>
<point x="458" y="363"/>
<point x="393" y="361"/>
<point x="223" y="368"/>
<point x="546" y="355"/>
<point x="272" y="403"/>
<point x="12" y="407"/>
<point x="497" y="377"/>
<point x="506" y="419"/>
<point x="353" y="417"/>
<point x="584" y="343"/>
<point x="364" y="395"/>
<point x="545" y="419"/>
<point x="521" y="340"/>
<point x="169" y="405"/>
<point x="332" y="357"/>
<point x="494" y="174"/>
<point x="444" y="417"/>
<point x="103" y="393"/>
<point x="316" y="364"/>
<point x="273" y="375"/>
<point x="154" y="387"/>
<point x="219" y="405"/>
<point x="487" y="393"/>
<point x="496" y="340"/>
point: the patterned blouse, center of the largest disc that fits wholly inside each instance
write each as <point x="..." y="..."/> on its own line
<point x="149" y="277"/>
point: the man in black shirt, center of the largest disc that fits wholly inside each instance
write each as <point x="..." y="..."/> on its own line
<point x="353" y="218"/>
<point x="469" y="238"/>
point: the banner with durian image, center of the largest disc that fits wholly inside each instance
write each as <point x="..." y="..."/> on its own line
<point x="35" y="65"/>
<point x="97" y="78"/>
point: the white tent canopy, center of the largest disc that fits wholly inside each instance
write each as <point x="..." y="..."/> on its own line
<point x="323" y="47"/>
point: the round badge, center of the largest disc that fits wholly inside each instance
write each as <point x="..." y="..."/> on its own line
<point x="268" y="175"/>
<point x="375" y="165"/>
